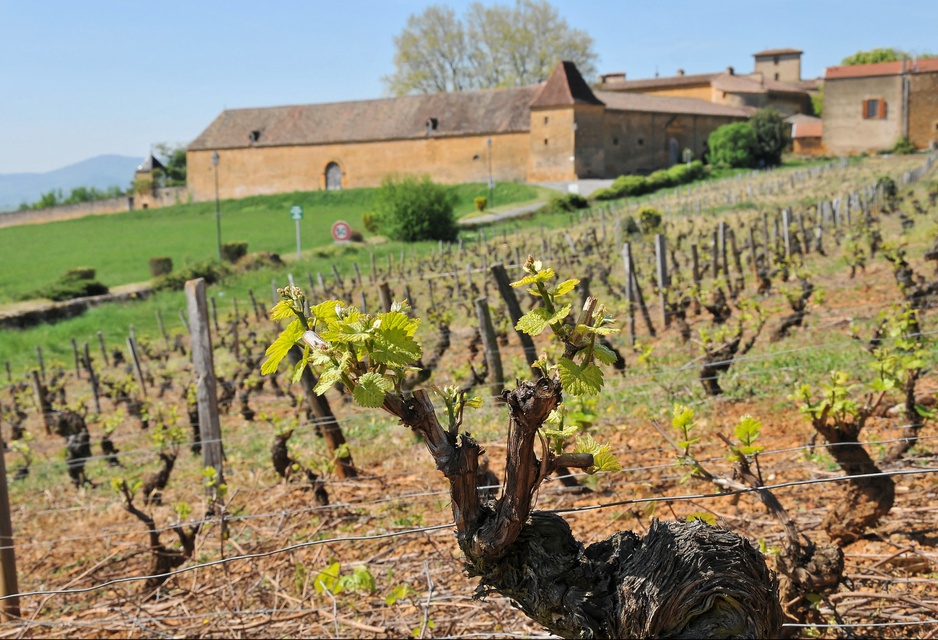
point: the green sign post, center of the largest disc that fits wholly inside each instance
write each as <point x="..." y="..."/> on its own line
<point x="296" y="213"/>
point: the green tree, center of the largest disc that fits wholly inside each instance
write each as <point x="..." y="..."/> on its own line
<point x="491" y="46"/>
<point x="770" y="137"/>
<point x="410" y="209"/>
<point x="732" y="145"/>
<point x="817" y="102"/>
<point x="175" y="162"/>
<point x="888" y="54"/>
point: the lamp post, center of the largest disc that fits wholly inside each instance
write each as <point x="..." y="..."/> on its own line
<point x="491" y="179"/>
<point x="217" y="209"/>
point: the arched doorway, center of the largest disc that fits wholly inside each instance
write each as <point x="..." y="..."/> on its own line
<point x="333" y="177"/>
<point x="674" y="150"/>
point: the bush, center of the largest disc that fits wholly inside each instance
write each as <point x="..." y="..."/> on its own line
<point x="370" y="222"/>
<point x="356" y="236"/>
<point x="260" y="260"/>
<point x="76" y="283"/>
<point x="630" y="226"/>
<point x="606" y="193"/>
<point x="568" y="202"/>
<point x="903" y="147"/>
<point x="630" y="186"/>
<point x="481" y="203"/>
<point x="211" y="270"/>
<point x="649" y="219"/>
<point x="888" y="187"/>
<point x="233" y="251"/>
<point x="770" y="138"/>
<point x="732" y="145"/>
<point x="660" y="179"/>
<point x="160" y="267"/>
<point x="411" y="209"/>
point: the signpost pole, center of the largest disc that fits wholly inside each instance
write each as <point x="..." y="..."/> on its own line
<point x="296" y="213"/>
<point x="298" y="250"/>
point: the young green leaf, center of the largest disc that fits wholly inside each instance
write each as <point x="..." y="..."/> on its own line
<point x="278" y="350"/>
<point x="577" y="380"/>
<point x="536" y="320"/>
<point x="371" y="389"/>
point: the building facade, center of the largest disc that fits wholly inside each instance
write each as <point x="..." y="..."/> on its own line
<point x="560" y="130"/>
<point x="871" y="107"/>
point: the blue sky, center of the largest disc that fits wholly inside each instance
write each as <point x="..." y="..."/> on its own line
<point x="79" y="78"/>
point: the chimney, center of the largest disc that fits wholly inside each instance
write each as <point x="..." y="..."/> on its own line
<point x="680" y="72"/>
<point x="730" y="71"/>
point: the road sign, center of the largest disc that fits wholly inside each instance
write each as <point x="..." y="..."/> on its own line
<point x="296" y="212"/>
<point x="341" y="231"/>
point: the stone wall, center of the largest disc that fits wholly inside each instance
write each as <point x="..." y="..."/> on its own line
<point x="266" y="170"/>
<point x="846" y="130"/>
<point x="551" y="145"/>
<point x="160" y="198"/>
<point x="923" y="109"/>
<point x="787" y="66"/>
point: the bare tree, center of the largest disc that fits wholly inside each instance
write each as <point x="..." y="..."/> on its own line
<point x="491" y="46"/>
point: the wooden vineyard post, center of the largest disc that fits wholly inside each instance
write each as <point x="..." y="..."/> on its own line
<point x="42" y="365"/>
<point x="256" y="307"/>
<point x="371" y="276"/>
<point x="766" y="263"/>
<point x="205" y="385"/>
<point x="132" y="348"/>
<point x="384" y="293"/>
<point x="107" y="361"/>
<point x="716" y="256"/>
<point x="325" y="419"/>
<point x="77" y="363"/>
<point x="737" y="261"/>
<point x="215" y="317"/>
<point x="94" y="379"/>
<point x="9" y="372"/>
<point x="786" y="224"/>
<point x="42" y="402"/>
<point x="661" y="264"/>
<point x="753" y="255"/>
<point x="159" y="321"/>
<point x="695" y="274"/>
<point x="515" y="313"/>
<point x="490" y="342"/>
<point x="9" y="607"/>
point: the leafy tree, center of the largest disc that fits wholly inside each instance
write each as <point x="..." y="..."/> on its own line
<point x="888" y="54"/>
<point x="491" y="46"/>
<point x="770" y="137"/>
<point x="817" y="102"/>
<point x="411" y="209"/>
<point x="174" y="161"/>
<point x="732" y="145"/>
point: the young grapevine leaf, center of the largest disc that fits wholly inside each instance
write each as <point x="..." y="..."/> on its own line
<point x="278" y="350"/>
<point x="371" y="390"/>
<point x="536" y="320"/>
<point x="282" y="310"/>
<point x="577" y="380"/>
<point x="604" y="354"/>
<point x="747" y="431"/>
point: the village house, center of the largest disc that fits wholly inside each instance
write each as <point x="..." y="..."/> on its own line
<point x="560" y="130"/>
<point x="871" y="107"/>
<point x="775" y="82"/>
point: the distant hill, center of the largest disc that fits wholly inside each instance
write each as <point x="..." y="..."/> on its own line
<point x="100" y="172"/>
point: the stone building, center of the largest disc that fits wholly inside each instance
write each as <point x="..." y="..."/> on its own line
<point x="776" y="82"/>
<point x="560" y="130"/>
<point x="871" y="107"/>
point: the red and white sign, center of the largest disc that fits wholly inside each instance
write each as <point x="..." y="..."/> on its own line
<point x="341" y="232"/>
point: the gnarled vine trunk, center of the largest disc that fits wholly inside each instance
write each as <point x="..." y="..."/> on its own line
<point x="681" y="580"/>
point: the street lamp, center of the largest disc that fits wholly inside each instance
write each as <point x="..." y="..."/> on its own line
<point x="491" y="179"/>
<point x="217" y="209"/>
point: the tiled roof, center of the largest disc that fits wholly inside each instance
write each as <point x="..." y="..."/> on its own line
<point x="460" y="113"/>
<point x="150" y="164"/>
<point x="652" y="83"/>
<point x="926" y="65"/>
<point x="800" y="117"/>
<point x="738" y="84"/>
<point x="626" y="101"/>
<point x="776" y="52"/>
<point x="807" y="127"/>
<point x="564" y="87"/>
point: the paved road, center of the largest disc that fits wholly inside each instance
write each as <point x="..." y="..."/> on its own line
<point x="583" y="187"/>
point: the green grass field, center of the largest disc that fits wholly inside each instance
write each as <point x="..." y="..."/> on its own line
<point x="120" y="246"/>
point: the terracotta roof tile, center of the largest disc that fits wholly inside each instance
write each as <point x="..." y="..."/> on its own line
<point x="626" y="101"/>
<point x="651" y="83"/>
<point x="926" y="65"/>
<point x="461" y="113"/>
<point x="564" y="87"/>
<point x="808" y="129"/>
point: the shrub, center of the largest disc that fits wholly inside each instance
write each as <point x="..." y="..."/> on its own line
<point x="160" y="267"/>
<point x="679" y="174"/>
<point x="481" y="203"/>
<point x="606" y="193"/>
<point x="411" y="209"/>
<point x="630" y="186"/>
<point x="370" y="222"/>
<point x="568" y="202"/>
<point x="659" y="180"/>
<point x="259" y="260"/>
<point x="732" y="145"/>
<point x="770" y="137"/>
<point x="649" y="219"/>
<point x="903" y="147"/>
<point x="76" y="283"/>
<point x="888" y="187"/>
<point x="630" y="226"/>
<point x="356" y="236"/>
<point x="211" y="270"/>
<point x="233" y="251"/>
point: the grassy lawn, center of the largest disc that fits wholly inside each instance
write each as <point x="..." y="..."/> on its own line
<point x="120" y="246"/>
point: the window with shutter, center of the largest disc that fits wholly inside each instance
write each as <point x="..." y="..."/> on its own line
<point x="881" y="114"/>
